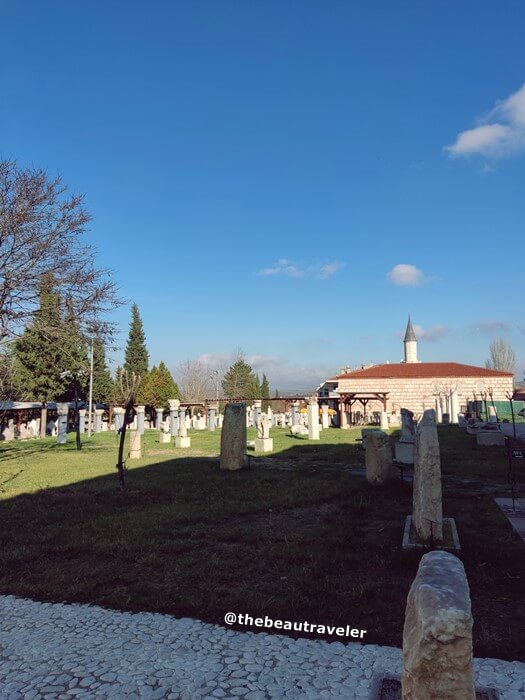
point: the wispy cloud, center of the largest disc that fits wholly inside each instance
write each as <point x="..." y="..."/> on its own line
<point x="501" y="133"/>
<point x="406" y="275"/>
<point x="287" y="268"/>
<point x="431" y="334"/>
<point x="490" y="326"/>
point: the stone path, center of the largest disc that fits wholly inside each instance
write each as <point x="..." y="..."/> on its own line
<point x="51" y="650"/>
<point x="516" y="515"/>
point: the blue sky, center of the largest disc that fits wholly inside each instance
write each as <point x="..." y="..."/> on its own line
<point x="258" y="172"/>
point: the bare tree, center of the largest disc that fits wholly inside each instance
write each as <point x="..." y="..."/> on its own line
<point x="195" y="380"/>
<point x="502" y="356"/>
<point x="129" y="383"/>
<point x="42" y="232"/>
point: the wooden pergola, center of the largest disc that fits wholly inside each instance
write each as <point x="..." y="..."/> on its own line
<point x="348" y="399"/>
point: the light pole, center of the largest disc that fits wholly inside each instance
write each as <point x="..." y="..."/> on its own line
<point x="216" y="373"/>
<point x="90" y="400"/>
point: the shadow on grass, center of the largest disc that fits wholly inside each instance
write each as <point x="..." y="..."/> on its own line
<point x="310" y="543"/>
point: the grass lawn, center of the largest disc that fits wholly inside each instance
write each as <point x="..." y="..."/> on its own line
<point x="297" y="536"/>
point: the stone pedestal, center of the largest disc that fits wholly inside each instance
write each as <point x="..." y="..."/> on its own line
<point x="325" y="417"/>
<point x="378" y="459"/>
<point x="135" y="444"/>
<point x="165" y="437"/>
<point x="63" y="411"/>
<point x="182" y="441"/>
<point x="313" y="420"/>
<point x="213" y="410"/>
<point x="295" y="413"/>
<point x="82" y="420"/>
<point x="140" y="419"/>
<point x="200" y="424"/>
<point x="118" y="417"/>
<point x="233" y="437"/>
<point x="437" y="635"/>
<point x="174" y="405"/>
<point x="263" y="444"/>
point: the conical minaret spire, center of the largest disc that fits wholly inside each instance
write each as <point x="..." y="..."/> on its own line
<point x="410" y="343"/>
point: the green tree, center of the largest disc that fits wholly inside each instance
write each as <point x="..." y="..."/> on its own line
<point x="102" y="382"/>
<point x="48" y="347"/>
<point x="240" y="381"/>
<point x="157" y="387"/>
<point x="265" y="392"/>
<point x="137" y="357"/>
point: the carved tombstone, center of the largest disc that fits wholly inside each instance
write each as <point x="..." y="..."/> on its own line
<point x="426" y="499"/>
<point x="233" y="437"/>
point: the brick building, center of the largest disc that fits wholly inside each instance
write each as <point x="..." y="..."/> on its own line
<point x="412" y="384"/>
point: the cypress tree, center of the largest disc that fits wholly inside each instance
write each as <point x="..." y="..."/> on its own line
<point x="265" y="392"/>
<point x="157" y="387"/>
<point x="137" y="357"/>
<point x="240" y="382"/>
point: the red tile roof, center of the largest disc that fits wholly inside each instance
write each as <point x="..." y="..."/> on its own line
<point x="421" y="370"/>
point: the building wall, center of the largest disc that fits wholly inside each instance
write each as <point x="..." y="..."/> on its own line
<point x="418" y="394"/>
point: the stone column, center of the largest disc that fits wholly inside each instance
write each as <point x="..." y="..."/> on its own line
<point x="233" y="437"/>
<point x="158" y="418"/>
<point x="82" y="420"/>
<point x="213" y="409"/>
<point x="437" y="636"/>
<point x="295" y="413"/>
<point x="182" y="418"/>
<point x="257" y="406"/>
<point x="313" y="419"/>
<point x="135" y="444"/>
<point x="325" y="416"/>
<point x="454" y="406"/>
<point x="378" y="458"/>
<point x="493" y="418"/>
<point x="426" y="498"/>
<point x="98" y="419"/>
<point x="383" y="424"/>
<point x="439" y="411"/>
<point x="182" y="439"/>
<point x="174" y="417"/>
<point x="140" y="419"/>
<point x="43" y="420"/>
<point x="63" y="411"/>
<point x="118" y="417"/>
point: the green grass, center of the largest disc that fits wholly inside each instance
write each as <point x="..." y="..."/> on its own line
<point x="304" y="539"/>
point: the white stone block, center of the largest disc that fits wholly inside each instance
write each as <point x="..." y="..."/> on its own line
<point x="263" y="444"/>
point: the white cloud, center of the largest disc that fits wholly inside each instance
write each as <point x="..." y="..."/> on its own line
<point x="406" y="275"/>
<point x="500" y="133"/>
<point x="432" y="334"/>
<point x="288" y="268"/>
<point x="490" y="326"/>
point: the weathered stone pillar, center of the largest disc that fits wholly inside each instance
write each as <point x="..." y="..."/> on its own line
<point x="140" y="419"/>
<point x="82" y="420"/>
<point x="295" y="413"/>
<point x="158" y="419"/>
<point x="439" y="410"/>
<point x="135" y="444"/>
<point x="63" y="411"/>
<point x="174" y="416"/>
<point x="233" y="437"/>
<point x="325" y="416"/>
<point x="257" y="407"/>
<point x="182" y="439"/>
<point x="493" y="418"/>
<point x="182" y="418"/>
<point x="378" y="458"/>
<point x="99" y="412"/>
<point x="313" y="419"/>
<point x="426" y="499"/>
<point x="43" y="420"/>
<point x="437" y="636"/>
<point x="213" y="409"/>
<point x="454" y="406"/>
<point x="118" y="417"/>
<point x="383" y="424"/>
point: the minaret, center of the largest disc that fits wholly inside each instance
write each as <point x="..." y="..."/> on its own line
<point x="410" y="343"/>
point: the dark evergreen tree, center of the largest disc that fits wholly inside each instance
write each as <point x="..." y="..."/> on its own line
<point x="240" y="382"/>
<point x="265" y="392"/>
<point x="39" y="353"/>
<point x="157" y="387"/>
<point x="102" y="382"/>
<point x="137" y="357"/>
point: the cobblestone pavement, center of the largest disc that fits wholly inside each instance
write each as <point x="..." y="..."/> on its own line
<point x="50" y="650"/>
